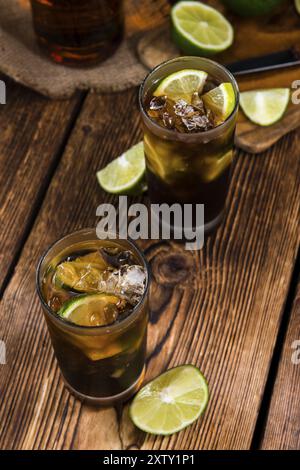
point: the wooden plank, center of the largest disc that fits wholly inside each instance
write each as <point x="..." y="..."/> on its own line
<point x="219" y="309"/>
<point x="30" y="145"/>
<point x="283" y="424"/>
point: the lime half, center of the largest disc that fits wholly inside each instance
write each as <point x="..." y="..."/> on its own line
<point x="125" y="174"/>
<point x="265" y="107"/>
<point x="91" y="310"/>
<point x="221" y="101"/>
<point x="199" y="29"/>
<point x="170" y="402"/>
<point x="297" y="5"/>
<point x="182" y="85"/>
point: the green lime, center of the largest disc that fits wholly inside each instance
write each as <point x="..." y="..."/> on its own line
<point x="265" y="107"/>
<point x="252" y="7"/>
<point x="297" y="5"/>
<point x="125" y="174"/>
<point x="199" y="29"/>
<point x="170" y="402"/>
<point x="221" y="100"/>
<point x="81" y="275"/>
<point x="182" y="85"/>
<point x="91" y="310"/>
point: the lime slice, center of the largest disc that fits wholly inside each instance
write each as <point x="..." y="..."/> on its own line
<point x="124" y="175"/>
<point x="221" y="101"/>
<point x="170" y="402"/>
<point x="91" y="310"/>
<point x="265" y="107"/>
<point x="82" y="274"/>
<point x="182" y="85"/>
<point x="297" y="5"/>
<point x="199" y="29"/>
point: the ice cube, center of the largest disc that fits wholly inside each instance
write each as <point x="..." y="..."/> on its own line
<point x="197" y="123"/>
<point x="128" y="282"/>
<point x="107" y="316"/>
<point x="181" y="115"/>
<point x="183" y="109"/>
<point x="168" y="121"/>
<point x="198" y="103"/>
<point x="157" y="102"/>
<point x="116" y="258"/>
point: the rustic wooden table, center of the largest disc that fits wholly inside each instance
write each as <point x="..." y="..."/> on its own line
<point x="233" y="308"/>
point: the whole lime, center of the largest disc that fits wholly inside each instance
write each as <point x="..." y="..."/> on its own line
<point x="252" y="7"/>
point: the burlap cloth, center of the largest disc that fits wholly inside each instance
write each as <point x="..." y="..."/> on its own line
<point x="22" y="59"/>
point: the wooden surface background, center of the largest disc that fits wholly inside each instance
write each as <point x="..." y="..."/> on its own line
<point x="232" y="308"/>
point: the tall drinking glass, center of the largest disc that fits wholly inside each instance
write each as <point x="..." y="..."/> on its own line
<point x="189" y="168"/>
<point x="100" y="364"/>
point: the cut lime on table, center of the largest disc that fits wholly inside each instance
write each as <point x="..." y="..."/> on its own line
<point x="221" y="100"/>
<point x="125" y="174"/>
<point x="297" y="5"/>
<point x="199" y="29"/>
<point x="170" y="402"/>
<point x="265" y="107"/>
<point x="182" y="85"/>
<point x="83" y="309"/>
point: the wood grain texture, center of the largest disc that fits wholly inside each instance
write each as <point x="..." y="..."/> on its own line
<point x="32" y="132"/>
<point x="283" y="424"/>
<point x="219" y="309"/>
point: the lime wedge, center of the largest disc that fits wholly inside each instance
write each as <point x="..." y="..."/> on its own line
<point x="125" y="174"/>
<point x="265" y="107"/>
<point x="91" y="310"/>
<point x="170" y="402"/>
<point x="221" y="101"/>
<point x="297" y="5"/>
<point x="81" y="275"/>
<point x="199" y="29"/>
<point x="182" y="85"/>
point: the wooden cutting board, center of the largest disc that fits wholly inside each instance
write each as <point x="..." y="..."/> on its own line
<point x="253" y="37"/>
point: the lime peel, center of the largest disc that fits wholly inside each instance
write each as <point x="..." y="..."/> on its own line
<point x="265" y="107"/>
<point x="125" y="174"/>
